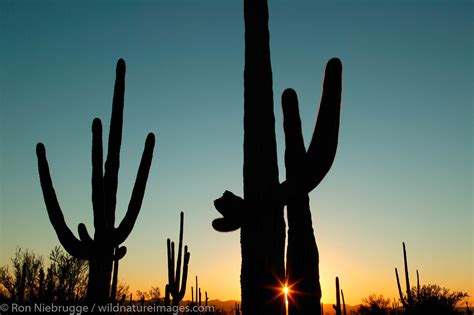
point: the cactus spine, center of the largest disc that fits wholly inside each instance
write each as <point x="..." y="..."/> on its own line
<point x="99" y="251"/>
<point x="174" y="274"/>
<point x="259" y="215"/>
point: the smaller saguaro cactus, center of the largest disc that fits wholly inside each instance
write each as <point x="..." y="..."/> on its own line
<point x="337" y="306"/>
<point x="237" y="308"/>
<point x="99" y="249"/>
<point x="200" y="299"/>
<point x="174" y="274"/>
<point x="343" y="303"/>
<point x="207" y="299"/>
<point x="197" y="290"/>
<point x="408" y="302"/>
<point x="417" y="284"/>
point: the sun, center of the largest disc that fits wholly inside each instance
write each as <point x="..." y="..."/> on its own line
<point x="285" y="290"/>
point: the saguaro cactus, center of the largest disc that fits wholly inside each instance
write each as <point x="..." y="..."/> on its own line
<point x="259" y="214"/>
<point x="337" y="306"/>
<point x="99" y="251"/>
<point x="408" y="302"/>
<point x="174" y="274"/>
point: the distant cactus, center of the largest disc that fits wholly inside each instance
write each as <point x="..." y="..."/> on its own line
<point x="408" y="302"/>
<point x="259" y="214"/>
<point x="343" y="303"/>
<point x="337" y="306"/>
<point x="174" y="273"/>
<point x="197" y="290"/>
<point x="237" y="308"/>
<point x="200" y="298"/>
<point x="99" y="251"/>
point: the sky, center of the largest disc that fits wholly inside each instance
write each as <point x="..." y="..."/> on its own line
<point x="403" y="171"/>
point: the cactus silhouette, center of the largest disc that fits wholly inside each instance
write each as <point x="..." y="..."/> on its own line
<point x="113" y="290"/>
<point x="408" y="302"/>
<point x="259" y="215"/>
<point x="99" y="250"/>
<point x="337" y="306"/>
<point x="174" y="274"/>
<point x="343" y="303"/>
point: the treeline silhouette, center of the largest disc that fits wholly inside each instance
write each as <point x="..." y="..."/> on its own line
<point x="64" y="280"/>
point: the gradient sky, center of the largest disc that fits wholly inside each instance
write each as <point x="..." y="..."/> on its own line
<point x="404" y="167"/>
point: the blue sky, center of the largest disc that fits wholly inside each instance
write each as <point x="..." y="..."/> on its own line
<point x="403" y="171"/>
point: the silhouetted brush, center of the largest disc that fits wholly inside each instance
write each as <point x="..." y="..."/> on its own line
<point x="99" y="250"/>
<point x="174" y="274"/>
<point x="22" y="284"/>
<point x="41" y="285"/>
<point x="259" y="214"/>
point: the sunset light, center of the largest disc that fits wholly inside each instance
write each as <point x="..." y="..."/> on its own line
<point x="239" y="155"/>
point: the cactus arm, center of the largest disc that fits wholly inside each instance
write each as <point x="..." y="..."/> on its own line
<point x="295" y="150"/>
<point x="70" y="243"/>
<point x="120" y="252"/>
<point x="170" y="251"/>
<point x="112" y="163"/>
<point x="337" y="307"/>
<point x="180" y="252"/>
<point x="417" y="284"/>
<point x="185" y="273"/>
<point x="320" y="154"/>
<point x="407" y="278"/>
<point x="322" y="149"/>
<point x="98" y="203"/>
<point x="231" y="207"/>
<point x="84" y="235"/>
<point x="126" y="226"/>
<point x="343" y="303"/>
<point x="402" y="299"/>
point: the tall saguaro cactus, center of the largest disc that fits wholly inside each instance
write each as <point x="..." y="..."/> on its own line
<point x="259" y="214"/>
<point x="99" y="250"/>
<point x="174" y="274"/>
